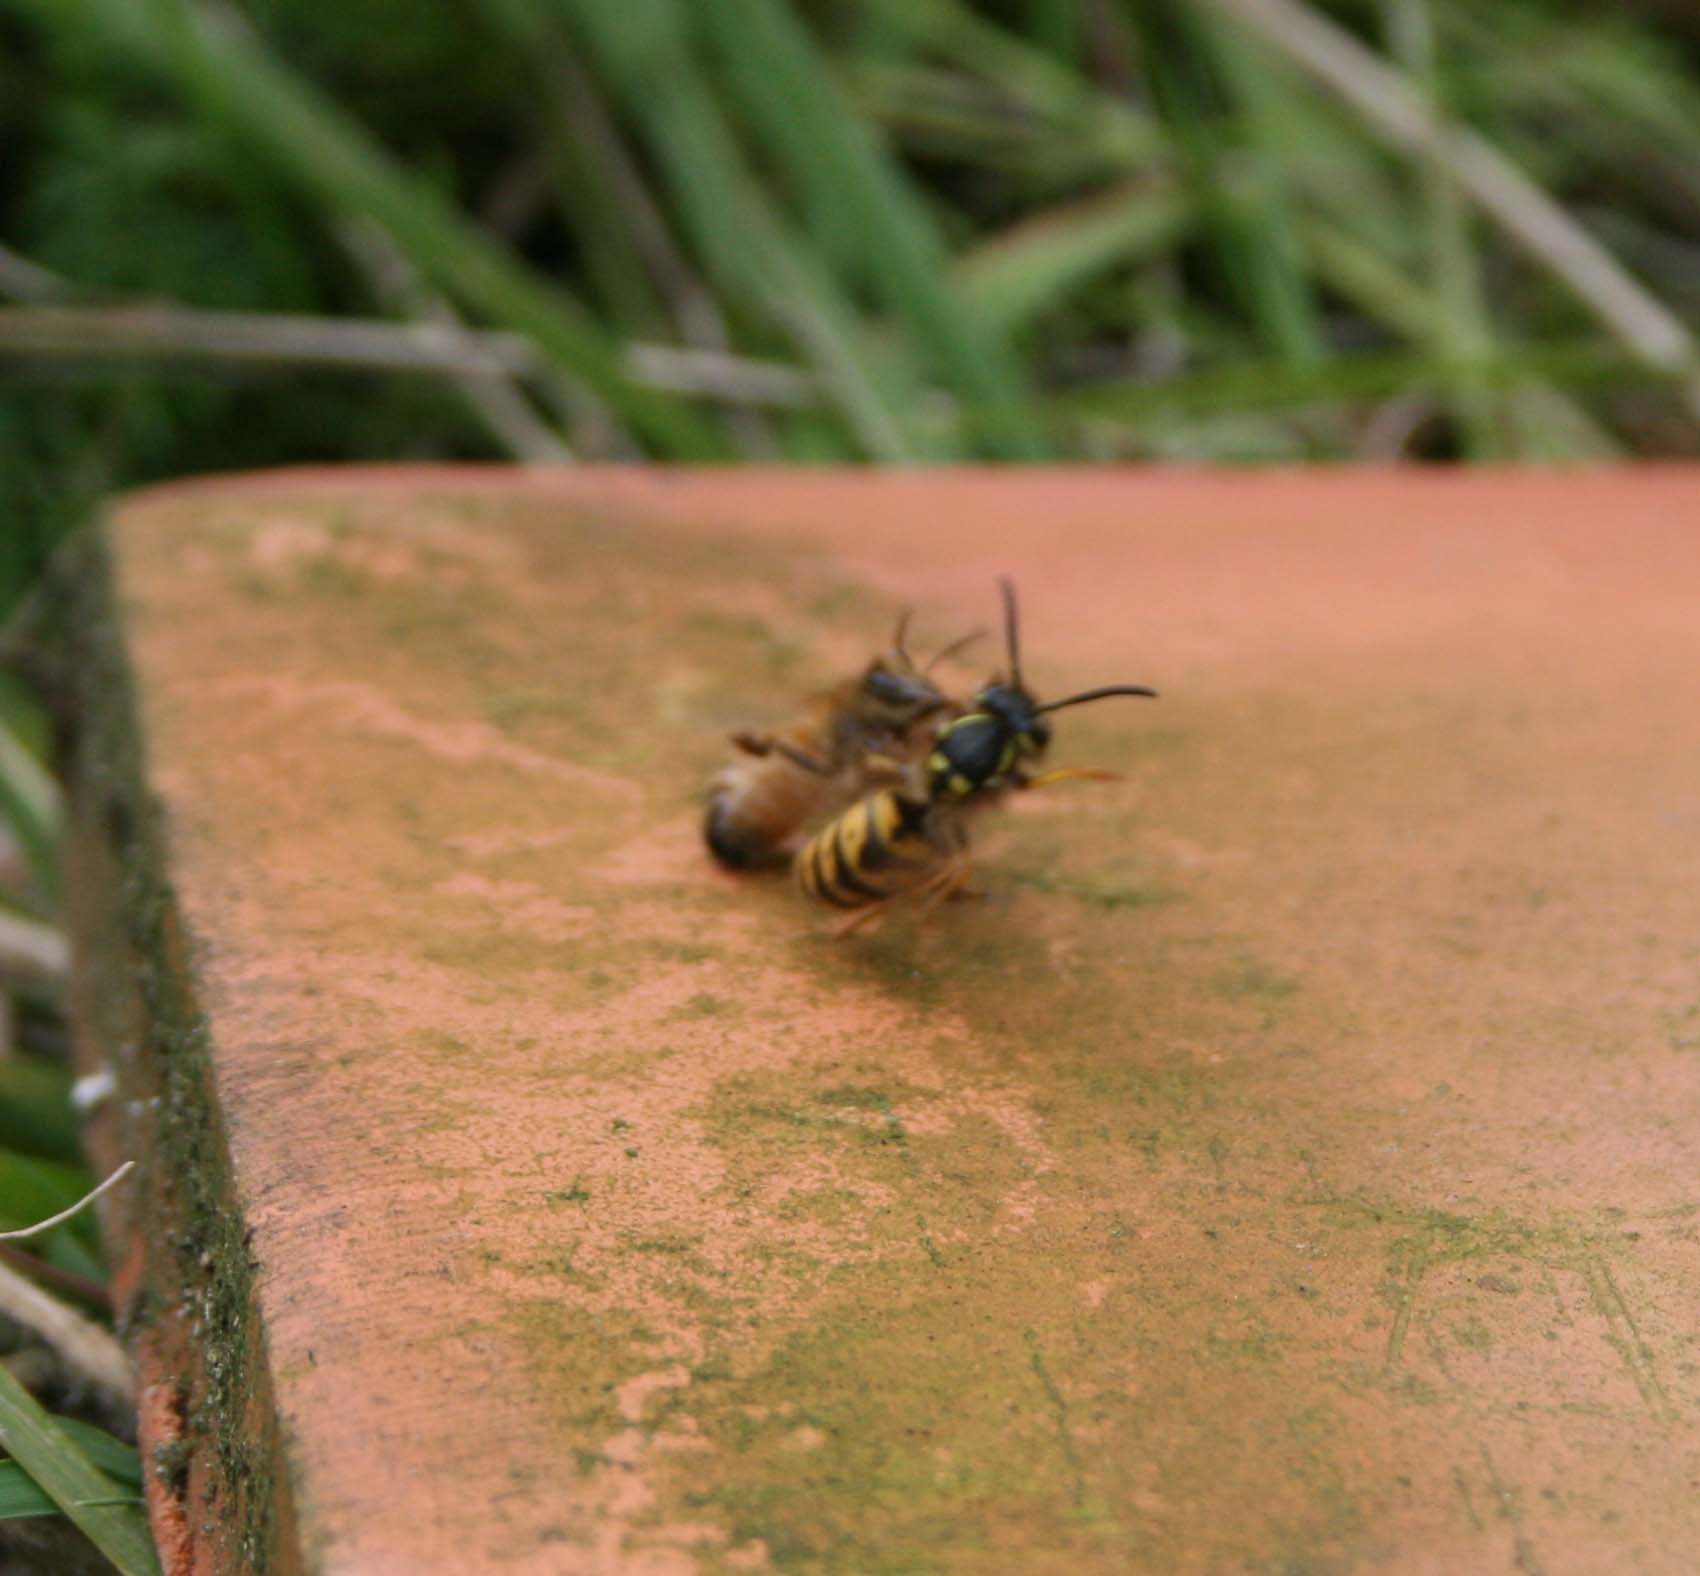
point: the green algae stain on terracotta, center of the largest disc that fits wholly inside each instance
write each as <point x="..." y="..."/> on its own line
<point x="1109" y="1123"/>
<point x="704" y="1004"/>
<point x="1094" y="1057"/>
<point x="436" y="608"/>
<point x="902" y="1275"/>
<point x="1098" y="893"/>
<point x="876" y="1442"/>
<point x="903" y="1411"/>
<point x="1250" y="980"/>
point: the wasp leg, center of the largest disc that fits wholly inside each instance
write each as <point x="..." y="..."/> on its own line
<point x="951" y="882"/>
<point x="851" y="923"/>
<point x="1097" y="774"/>
<point x="754" y="743"/>
<point x="943" y="885"/>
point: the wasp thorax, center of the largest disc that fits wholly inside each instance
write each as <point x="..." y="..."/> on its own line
<point x="980" y="750"/>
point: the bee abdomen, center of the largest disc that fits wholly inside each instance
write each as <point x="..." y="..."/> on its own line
<point x="735" y="842"/>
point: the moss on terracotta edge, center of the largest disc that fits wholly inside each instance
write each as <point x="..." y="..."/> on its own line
<point x="193" y="1306"/>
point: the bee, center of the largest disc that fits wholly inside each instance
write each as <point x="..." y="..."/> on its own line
<point x="910" y="839"/>
<point x="847" y="738"/>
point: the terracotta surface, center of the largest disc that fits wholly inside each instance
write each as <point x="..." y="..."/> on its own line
<point x="1293" y="1165"/>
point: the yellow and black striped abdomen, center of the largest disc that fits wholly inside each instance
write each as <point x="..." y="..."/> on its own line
<point x="874" y="851"/>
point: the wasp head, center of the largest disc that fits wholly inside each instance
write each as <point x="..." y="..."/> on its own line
<point x="983" y="750"/>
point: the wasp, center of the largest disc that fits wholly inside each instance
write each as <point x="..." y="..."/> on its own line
<point x="847" y="738"/>
<point x="910" y="838"/>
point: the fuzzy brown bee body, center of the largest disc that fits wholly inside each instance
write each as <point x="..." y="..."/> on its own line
<point x="761" y="800"/>
<point x="847" y="739"/>
<point x="911" y="839"/>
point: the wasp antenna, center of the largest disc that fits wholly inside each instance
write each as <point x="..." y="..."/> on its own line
<point x="1099" y="694"/>
<point x="953" y="648"/>
<point x="1011" y="630"/>
<point x="898" y="638"/>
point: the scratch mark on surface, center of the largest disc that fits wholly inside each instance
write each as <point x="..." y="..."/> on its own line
<point x="1510" y="1503"/>
<point x="1462" y="1484"/>
<point x="1438" y="1352"/>
<point x="362" y="708"/>
<point x="927" y="1242"/>
<point x="1406" y="1295"/>
<point x="1562" y="1313"/>
<point x="1625" y="1336"/>
<point x="1059" y="1408"/>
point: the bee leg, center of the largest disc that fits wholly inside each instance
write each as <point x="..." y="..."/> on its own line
<point x="798" y="758"/>
<point x="1097" y="774"/>
<point x="762" y="745"/>
<point x="947" y="883"/>
<point x="951" y="882"/>
<point x="851" y="923"/>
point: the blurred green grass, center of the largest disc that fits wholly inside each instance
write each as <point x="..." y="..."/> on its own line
<point x="890" y="231"/>
<point x="69" y="1491"/>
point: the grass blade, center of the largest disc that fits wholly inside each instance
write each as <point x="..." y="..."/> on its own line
<point x="1030" y="77"/>
<point x="645" y="51"/>
<point x="29" y="805"/>
<point x="62" y="1468"/>
<point x="1209" y="96"/>
<point x="1014" y="277"/>
<point x="1375" y="286"/>
<point x="1267" y="385"/>
<point x="217" y="64"/>
<point x="876" y="226"/>
<point x="36" y="1118"/>
<point x="1395" y="112"/>
<point x="1465" y="336"/>
<point x="119" y="1461"/>
<point x="20" y="1495"/>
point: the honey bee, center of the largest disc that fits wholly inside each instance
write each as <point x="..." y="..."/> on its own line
<point x="847" y="738"/>
<point x="910" y="839"/>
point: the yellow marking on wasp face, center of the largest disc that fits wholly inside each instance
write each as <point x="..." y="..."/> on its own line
<point x="1007" y="759"/>
<point x="938" y="761"/>
<point x="959" y="784"/>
